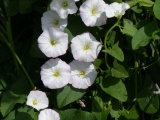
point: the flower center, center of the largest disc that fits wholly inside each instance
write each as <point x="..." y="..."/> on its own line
<point x="64" y="4"/>
<point x="117" y="13"/>
<point x="93" y="11"/>
<point x="35" y="102"/>
<point x="53" y="42"/>
<point x="86" y="47"/>
<point x="82" y="73"/>
<point x="56" y="22"/>
<point x="56" y="74"/>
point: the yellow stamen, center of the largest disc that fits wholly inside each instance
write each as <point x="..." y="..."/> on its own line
<point x="53" y="42"/>
<point x="56" y="74"/>
<point x="35" y="102"/>
<point x="86" y="47"/>
<point x="65" y="4"/>
<point x="56" y="22"/>
<point x="82" y="73"/>
<point x="93" y="11"/>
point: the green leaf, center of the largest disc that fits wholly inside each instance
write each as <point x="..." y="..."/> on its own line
<point x="99" y="109"/>
<point x="115" y="88"/>
<point x="131" y="114"/>
<point x="9" y="100"/>
<point x="73" y="114"/>
<point x="97" y="62"/>
<point x="119" y="71"/>
<point x="11" y="116"/>
<point x="156" y="9"/>
<point x="137" y="9"/>
<point x="97" y="104"/>
<point x="103" y="114"/>
<point x="115" y="111"/>
<point x="147" y="101"/>
<point x="129" y="29"/>
<point x="143" y="35"/>
<point x="67" y="95"/>
<point x="112" y="38"/>
<point x="116" y="52"/>
<point x="146" y="3"/>
<point x="2" y="83"/>
<point x="30" y="111"/>
<point x="23" y="116"/>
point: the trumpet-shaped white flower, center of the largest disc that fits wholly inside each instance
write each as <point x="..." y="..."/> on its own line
<point x="51" y="19"/>
<point x="85" y="47"/>
<point x="92" y="12"/>
<point x="53" y="42"/>
<point x="83" y="74"/>
<point x="55" y="73"/>
<point x="64" y="7"/>
<point x="48" y="114"/>
<point x="116" y="9"/>
<point x="37" y="99"/>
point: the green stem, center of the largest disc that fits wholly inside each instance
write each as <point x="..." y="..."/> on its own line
<point x="10" y="38"/>
<point x="9" y="32"/>
<point x="19" y="61"/>
<point x="105" y="40"/>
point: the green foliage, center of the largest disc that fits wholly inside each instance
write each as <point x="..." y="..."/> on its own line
<point x="129" y="28"/>
<point x="148" y="102"/>
<point x="115" y="88"/>
<point x="116" y="52"/>
<point x="156" y="9"/>
<point x="9" y="100"/>
<point x="73" y="114"/>
<point x="131" y="114"/>
<point x="146" y="3"/>
<point x="119" y="71"/>
<point x="67" y="95"/>
<point x="144" y="35"/>
<point x="127" y="67"/>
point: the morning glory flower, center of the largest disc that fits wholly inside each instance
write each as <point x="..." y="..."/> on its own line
<point x="48" y="114"/>
<point x="53" y="42"/>
<point x="64" y="7"/>
<point x="85" y="47"/>
<point x="116" y="9"/>
<point x="92" y="13"/>
<point x="51" y="19"/>
<point x="55" y="73"/>
<point x="37" y="99"/>
<point x="83" y="74"/>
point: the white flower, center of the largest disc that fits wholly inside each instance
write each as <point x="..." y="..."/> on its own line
<point x="55" y="73"/>
<point x="48" y="114"/>
<point x="64" y="7"/>
<point x="53" y="42"/>
<point x="76" y="0"/>
<point x="92" y="13"/>
<point x="85" y="47"/>
<point x="51" y="19"/>
<point x="116" y="9"/>
<point x="83" y="74"/>
<point x="37" y="99"/>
